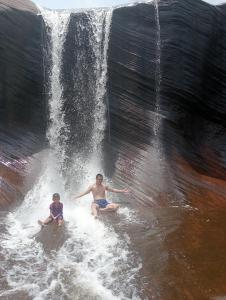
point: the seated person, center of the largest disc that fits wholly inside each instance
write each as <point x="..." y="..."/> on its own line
<point x="56" y="212"/>
<point x="98" y="190"/>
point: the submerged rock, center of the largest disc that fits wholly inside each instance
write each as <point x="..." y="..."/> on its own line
<point x="52" y="236"/>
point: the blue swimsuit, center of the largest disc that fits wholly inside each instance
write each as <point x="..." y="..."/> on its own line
<point x="102" y="203"/>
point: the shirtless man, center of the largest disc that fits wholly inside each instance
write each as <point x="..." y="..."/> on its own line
<point x="99" y="196"/>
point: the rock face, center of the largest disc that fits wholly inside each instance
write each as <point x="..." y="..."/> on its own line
<point x="132" y="54"/>
<point x="23" y="107"/>
<point x="22" y="101"/>
<point x="132" y="82"/>
<point x="193" y="88"/>
<point x="19" y="166"/>
<point x="191" y="97"/>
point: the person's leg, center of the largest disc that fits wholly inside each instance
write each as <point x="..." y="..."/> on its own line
<point x="95" y="209"/>
<point x="60" y="221"/>
<point x="110" y="207"/>
<point x="47" y="221"/>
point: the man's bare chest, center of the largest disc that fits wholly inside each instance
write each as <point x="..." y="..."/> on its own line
<point x="99" y="190"/>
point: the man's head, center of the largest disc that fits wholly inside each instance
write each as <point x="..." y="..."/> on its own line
<point x="56" y="197"/>
<point x="99" y="178"/>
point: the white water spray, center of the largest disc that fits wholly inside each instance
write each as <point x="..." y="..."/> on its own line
<point x="57" y="22"/>
<point x="100" y="19"/>
<point x="158" y="117"/>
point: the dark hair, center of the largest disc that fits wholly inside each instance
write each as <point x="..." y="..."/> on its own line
<point x="99" y="175"/>
<point x="56" y="195"/>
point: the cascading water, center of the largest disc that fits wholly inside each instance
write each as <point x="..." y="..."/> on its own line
<point x="94" y="262"/>
<point x="158" y="117"/>
<point x="98" y="23"/>
<point x="27" y="267"/>
<point x="158" y="157"/>
<point x="101" y="18"/>
<point x="57" y="23"/>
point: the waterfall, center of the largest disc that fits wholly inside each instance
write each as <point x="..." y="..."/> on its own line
<point x="52" y="178"/>
<point x="57" y="22"/>
<point x="100" y="19"/>
<point x="157" y="119"/>
<point x="87" y="159"/>
<point x="94" y="262"/>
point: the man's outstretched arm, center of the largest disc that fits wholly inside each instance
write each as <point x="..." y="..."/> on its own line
<point x="125" y="191"/>
<point x="85" y="193"/>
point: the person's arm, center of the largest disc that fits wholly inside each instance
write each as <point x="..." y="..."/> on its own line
<point x="84" y="193"/>
<point x="125" y="191"/>
<point x="51" y="214"/>
<point x="56" y="216"/>
<point x="61" y="210"/>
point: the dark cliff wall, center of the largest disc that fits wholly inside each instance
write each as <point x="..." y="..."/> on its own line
<point x="23" y="107"/>
<point x="192" y="90"/>
<point x="131" y="84"/>
<point x="22" y="102"/>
